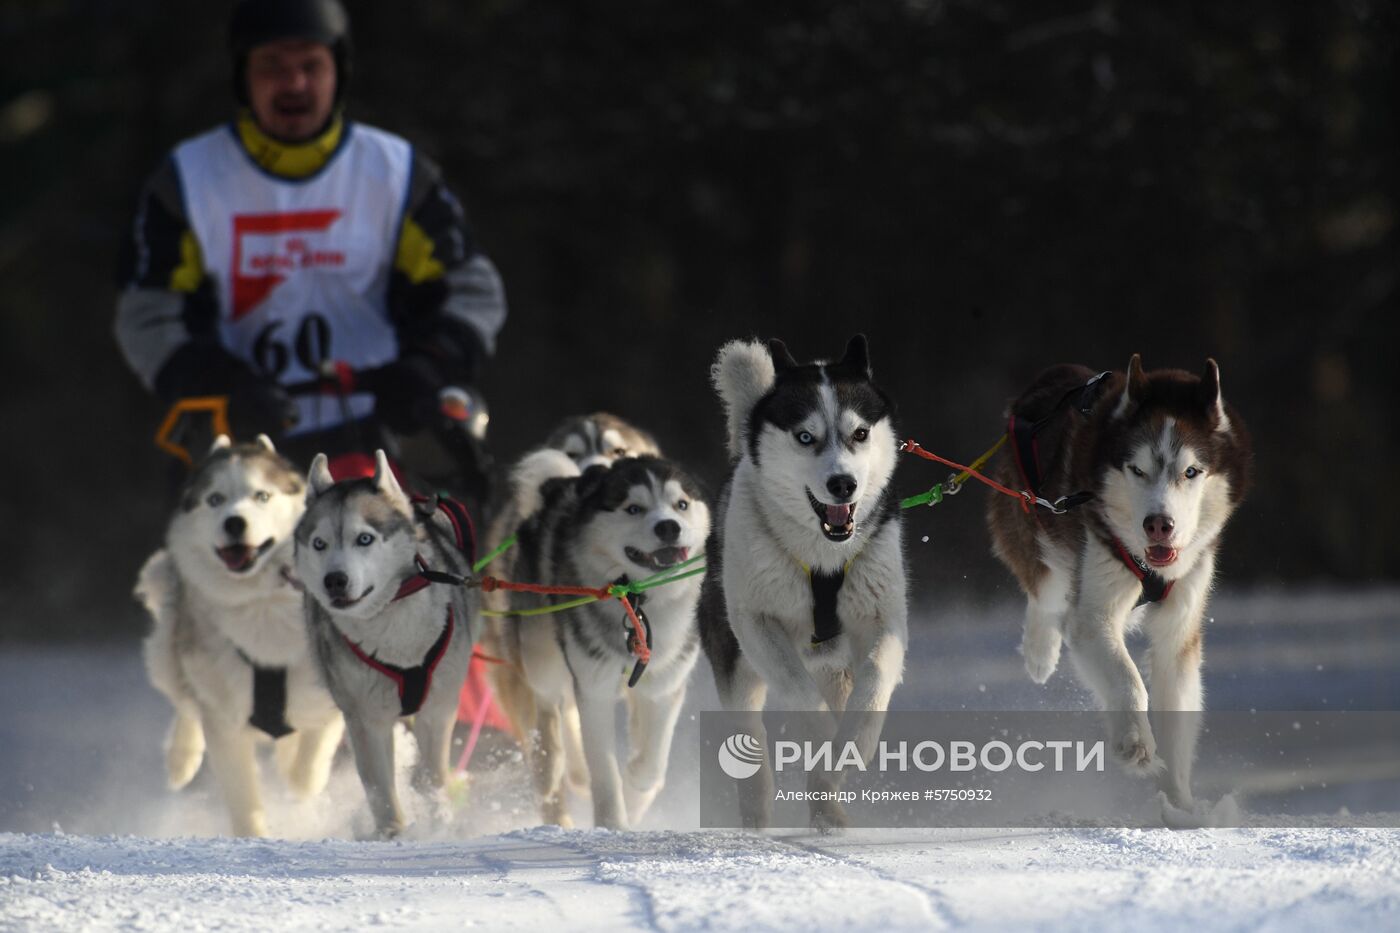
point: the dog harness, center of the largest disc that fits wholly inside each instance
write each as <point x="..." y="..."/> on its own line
<point x="269" y="698"/>
<point x="1154" y="586"/>
<point x="826" y="625"/>
<point x="1025" y="445"/>
<point x="636" y="600"/>
<point x="413" y="683"/>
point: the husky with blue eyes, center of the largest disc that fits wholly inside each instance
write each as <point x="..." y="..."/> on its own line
<point x="1146" y="468"/>
<point x="804" y="592"/>
<point x="639" y="517"/>
<point x="393" y="626"/>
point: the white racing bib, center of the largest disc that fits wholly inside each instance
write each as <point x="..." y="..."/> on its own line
<point x="301" y="266"/>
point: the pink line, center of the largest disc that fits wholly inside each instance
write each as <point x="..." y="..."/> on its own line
<point x="484" y="707"/>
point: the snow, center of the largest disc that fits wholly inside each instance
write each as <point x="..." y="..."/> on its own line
<point x="91" y="840"/>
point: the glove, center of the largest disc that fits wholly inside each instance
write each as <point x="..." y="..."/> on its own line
<point x="405" y="393"/>
<point x="256" y="404"/>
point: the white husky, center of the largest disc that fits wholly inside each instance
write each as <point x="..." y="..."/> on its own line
<point x="1161" y="462"/>
<point x="393" y="627"/>
<point x="228" y="646"/>
<point x="805" y="587"/>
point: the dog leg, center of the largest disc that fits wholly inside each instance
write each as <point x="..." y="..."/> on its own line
<point x="573" y="745"/>
<point x="743" y="691"/>
<point x="373" y="745"/>
<point x="651" y="726"/>
<point x="1095" y="628"/>
<point x="231" y="752"/>
<point x="1045" y="609"/>
<point x="546" y="764"/>
<point x="310" y="767"/>
<point x="1174" y="667"/>
<point x="597" y="709"/>
<point x="184" y="749"/>
<point x="769" y="649"/>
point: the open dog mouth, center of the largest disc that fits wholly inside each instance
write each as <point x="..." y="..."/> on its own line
<point x="240" y="558"/>
<point x="838" y="521"/>
<point x="345" y="602"/>
<point x="659" y="559"/>
<point x="1159" y="555"/>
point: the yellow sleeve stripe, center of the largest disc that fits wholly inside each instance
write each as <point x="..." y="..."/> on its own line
<point x="415" y="258"/>
<point x="190" y="272"/>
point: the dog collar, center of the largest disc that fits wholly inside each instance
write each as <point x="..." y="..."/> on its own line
<point x="1155" y="587"/>
<point x="463" y="538"/>
<point x="269" y="698"/>
<point x="413" y="683"/>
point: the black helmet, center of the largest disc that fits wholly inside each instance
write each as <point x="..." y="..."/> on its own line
<point x="257" y="21"/>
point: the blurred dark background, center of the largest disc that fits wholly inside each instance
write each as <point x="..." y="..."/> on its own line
<point x="984" y="188"/>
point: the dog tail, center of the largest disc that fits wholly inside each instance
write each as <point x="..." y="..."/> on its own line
<point x="533" y="472"/>
<point x="742" y="374"/>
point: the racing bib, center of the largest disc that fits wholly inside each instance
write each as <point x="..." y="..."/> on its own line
<point x="301" y="266"/>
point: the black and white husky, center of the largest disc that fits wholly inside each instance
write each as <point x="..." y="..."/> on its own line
<point x="805" y="587"/>
<point x="393" y="629"/>
<point x="591" y="440"/>
<point x="624" y="523"/>
<point x="228" y="646"/>
<point x="1161" y="462"/>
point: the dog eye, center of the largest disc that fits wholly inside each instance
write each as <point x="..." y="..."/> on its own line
<point x="634" y="509"/>
<point x="1136" y="472"/>
<point x="365" y="539"/>
<point x="805" y="438"/>
<point x="215" y="500"/>
<point x="619" y="452"/>
<point x="1193" y="472"/>
<point x="682" y="505"/>
<point x="262" y="495"/>
<point x="860" y="435"/>
<point x="318" y="544"/>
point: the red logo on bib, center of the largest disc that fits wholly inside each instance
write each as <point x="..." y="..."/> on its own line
<point x="269" y="247"/>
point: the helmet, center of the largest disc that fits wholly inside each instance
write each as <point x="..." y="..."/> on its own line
<point x="257" y="21"/>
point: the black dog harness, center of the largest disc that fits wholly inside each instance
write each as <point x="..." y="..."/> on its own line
<point x="413" y="683"/>
<point x="826" y="587"/>
<point x="269" y="698"/>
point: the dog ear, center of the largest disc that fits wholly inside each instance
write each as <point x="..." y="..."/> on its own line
<point x="857" y="356"/>
<point x="318" y="479"/>
<point x="1211" y="398"/>
<point x="782" y="359"/>
<point x="1134" y="387"/>
<point x="265" y="442"/>
<point x="384" y="479"/>
<point x="590" y="484"/>
<point x="221" y="442"/>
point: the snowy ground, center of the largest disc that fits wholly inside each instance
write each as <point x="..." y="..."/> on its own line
<point x="89" y="838"/>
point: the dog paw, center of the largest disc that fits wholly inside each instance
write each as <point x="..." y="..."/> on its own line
<point x="1040" y="646"/>
<point x="828" y="817"/>
<point x="1136" y="749"/>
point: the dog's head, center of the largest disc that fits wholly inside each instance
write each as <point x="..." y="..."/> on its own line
<point x="599" y="439"/>
<point x="357" y="541"/>
<point x="823" y="439"/>
<point x="239" y="506"/>
<point x="1176" y="464"/>
<point x="643" y="513"/>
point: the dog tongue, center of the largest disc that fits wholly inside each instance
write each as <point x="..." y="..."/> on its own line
<point x="669" y="556"/>
<point x="838" y="516"/>
<point x="1160" y="553"/>
<point x="236" y="556"/>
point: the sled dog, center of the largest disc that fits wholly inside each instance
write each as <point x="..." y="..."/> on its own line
<point x="1159" y="462"/>
<point x="588" y="440"/>
<point x="392" y="625"/>
<point x="805" y="586"/>
<point x="228" y="646"/>
<point x="626" y="522"/>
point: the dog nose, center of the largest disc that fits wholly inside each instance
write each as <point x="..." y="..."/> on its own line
<point x="1158" y="527"/>
<point x="842" y="486"/>
<point x="336" y="583"/>
<point x="668" y="530"/>
<point x="234" y="526"/>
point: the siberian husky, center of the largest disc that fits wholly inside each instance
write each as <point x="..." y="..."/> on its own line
<point x="229" y="648"/>
<point x="1160" y="462"/>
<point x="805" y="587"/>
<point x="627" y="522"/>
<point x="393" y="628"/>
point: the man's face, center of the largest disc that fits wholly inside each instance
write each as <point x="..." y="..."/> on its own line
<point x="291" y="88"/>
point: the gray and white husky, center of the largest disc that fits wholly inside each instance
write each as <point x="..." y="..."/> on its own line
<point x="228" y="646"/>
<point x="393" y="630"/>
<point x="805" y="587"/>
<point x="591" y="440"/>
<point x="627" y="522"/>
<point x="1162" y="462"/>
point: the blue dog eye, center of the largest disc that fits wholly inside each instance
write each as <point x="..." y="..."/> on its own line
<point x="805" y="438"/>
<point x="634" y="509"/>
<point x="365" y="539"/>
<point x="318" y="544"/>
